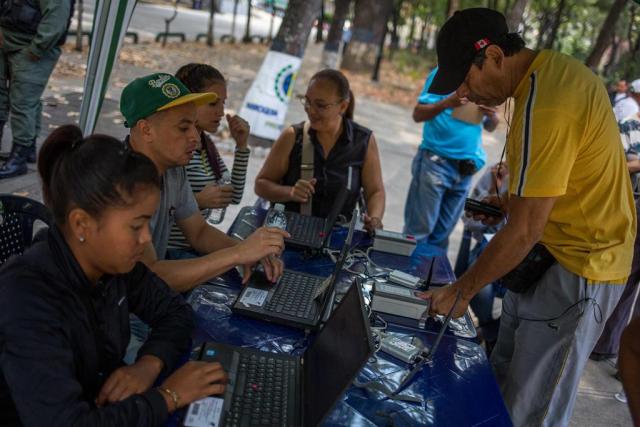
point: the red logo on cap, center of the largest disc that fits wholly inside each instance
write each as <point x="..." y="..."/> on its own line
<point x="481" y="44"/>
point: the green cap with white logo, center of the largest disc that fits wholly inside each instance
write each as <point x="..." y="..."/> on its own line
<point x="157" y="92"/>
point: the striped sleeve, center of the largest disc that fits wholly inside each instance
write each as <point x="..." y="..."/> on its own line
<point x="543" y="147"/>
<point x="239" y="174"/>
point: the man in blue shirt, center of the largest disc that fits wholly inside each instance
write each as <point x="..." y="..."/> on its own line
<point x="450" y="153"/>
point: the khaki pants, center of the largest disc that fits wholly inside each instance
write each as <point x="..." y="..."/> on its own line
<point x="538" y="364"/>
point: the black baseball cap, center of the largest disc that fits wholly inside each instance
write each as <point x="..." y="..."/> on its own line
<point x="460" y="38"/>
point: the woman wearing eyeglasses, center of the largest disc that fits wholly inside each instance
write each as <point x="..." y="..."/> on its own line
<point x="340" y="145"/>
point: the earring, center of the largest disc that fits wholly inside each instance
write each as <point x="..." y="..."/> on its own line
<point x="81" y="238"/>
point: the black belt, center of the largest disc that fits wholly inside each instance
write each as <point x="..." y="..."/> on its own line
<point x="465" y="166"/>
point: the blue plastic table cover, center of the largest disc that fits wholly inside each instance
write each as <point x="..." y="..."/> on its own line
<point x="418" y="264"/>
<point x="456" y="389"/>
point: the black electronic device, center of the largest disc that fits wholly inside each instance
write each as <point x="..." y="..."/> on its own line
<point x="285" y="390"/>
<point x="296" y="299"/>
<point x="311" y="231"/>
<point x="478" y="207"/>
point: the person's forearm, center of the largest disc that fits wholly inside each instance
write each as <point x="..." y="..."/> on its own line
<point x="375" y="204"/>
<point x="184" y="275"/>
<point x="504" y="252"/>
<point x="199" y="200"/>
<point x="273" y="192"/>
<point x="426" y="112"/>
<point x="210" y="239"/>
<point x="633" y="165"/>
<point x="239" y="173"/>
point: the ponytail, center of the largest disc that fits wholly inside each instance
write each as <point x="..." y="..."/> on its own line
<point x="92" y="173"/>
<point x="55" y="148"/>
<point x="351" y="107"/>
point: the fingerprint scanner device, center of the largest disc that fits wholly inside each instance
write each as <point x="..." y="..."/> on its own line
<point x="400" y="348"/>
<point x="394" y="243"/>
<point x="398" y="301"/>
<point x="403" y="279"/>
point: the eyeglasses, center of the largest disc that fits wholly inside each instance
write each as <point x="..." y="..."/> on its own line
<point x="318" y="106"/>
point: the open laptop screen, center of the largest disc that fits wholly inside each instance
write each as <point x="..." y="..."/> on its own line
<point x="336" y="356"/>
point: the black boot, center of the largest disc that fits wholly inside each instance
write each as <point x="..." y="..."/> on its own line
<point x="32" y="156"/>
<point x="16" y="164"/>
<point x="31" y="153"/>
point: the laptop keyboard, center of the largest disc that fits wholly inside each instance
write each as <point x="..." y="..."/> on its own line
<point x="305" y="228"/>
<point x="264" y="393"/>
<point x="294" y="296"/>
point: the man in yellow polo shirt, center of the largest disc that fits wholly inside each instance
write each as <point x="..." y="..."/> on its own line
<point x="569" y="202"/>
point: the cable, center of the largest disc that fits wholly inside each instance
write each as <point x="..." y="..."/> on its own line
<point x="429" y="354"/>
<point x="597" y="311"/>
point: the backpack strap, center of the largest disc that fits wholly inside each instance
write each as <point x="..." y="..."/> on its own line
<point x="306" y="165"/>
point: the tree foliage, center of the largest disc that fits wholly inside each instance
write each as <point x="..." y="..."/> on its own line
<point x="570" y="26"/>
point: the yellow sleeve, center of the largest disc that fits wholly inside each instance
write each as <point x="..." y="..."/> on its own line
<point x="545" y="152"/>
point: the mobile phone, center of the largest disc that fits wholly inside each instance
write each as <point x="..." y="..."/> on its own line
<point x="479" y="207"/>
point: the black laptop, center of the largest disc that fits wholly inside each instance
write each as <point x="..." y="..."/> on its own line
<point x="311" y="231"/>
<point x="283" y="390"/>
<point x="298" y="299"/>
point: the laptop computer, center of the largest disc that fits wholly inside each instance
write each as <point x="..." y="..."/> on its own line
<point x="278" y="389"/>
<point x="311" y="231"/>
<point x="298" y="299"/>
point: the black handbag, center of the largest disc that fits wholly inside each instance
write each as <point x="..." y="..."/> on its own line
<point x="530" y="270"/>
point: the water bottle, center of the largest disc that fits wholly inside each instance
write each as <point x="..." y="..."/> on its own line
<point x="216" y="216"/>
<point x="276" y="217"/>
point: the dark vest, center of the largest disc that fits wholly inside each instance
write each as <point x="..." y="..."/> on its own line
<point x="331" y="173"/>
<point x="25" y="15"/>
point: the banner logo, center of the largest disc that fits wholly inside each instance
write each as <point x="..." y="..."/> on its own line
<point x="284" y="83"/>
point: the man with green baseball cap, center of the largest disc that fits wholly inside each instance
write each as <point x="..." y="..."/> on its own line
<point x="157" y="92"/>
<point x="161" y="115"/>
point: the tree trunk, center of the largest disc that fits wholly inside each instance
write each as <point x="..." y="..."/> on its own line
<point x="606" y="33"/>
<point x="412" y="30"/>
<point x="613" y="57"/>
<point x="320" y="26"/>
<point x="331" y="53"/>
<point x="247" y="28"/>
<point x="79" y="28"/>
<point x="557" y="21"/>
<point x="212" y="14"/>
<point x="423" y="29"/>
<point x="368" y="27"/>
<point x="514" y="17"/>
<point x="296" y="26"/>
<point x="233" y="20"/>
<point x="272" y="21"/>
<point x="543" y="29"/>
<point x="452" y="6"/>
<point x="395" y="39"/>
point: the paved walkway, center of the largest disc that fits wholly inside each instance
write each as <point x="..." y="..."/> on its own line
<point x="398" y="138"/>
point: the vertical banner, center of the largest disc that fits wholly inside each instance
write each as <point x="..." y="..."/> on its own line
<point x="265" y="105"/>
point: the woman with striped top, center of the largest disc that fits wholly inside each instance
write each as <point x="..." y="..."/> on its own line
<point x="207" y="168"/>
